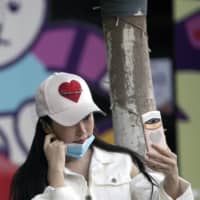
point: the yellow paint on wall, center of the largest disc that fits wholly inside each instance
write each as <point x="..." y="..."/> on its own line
<point x="108" y="136"/>
<point x="188" y="99"/>
<point x="184" y="8"/>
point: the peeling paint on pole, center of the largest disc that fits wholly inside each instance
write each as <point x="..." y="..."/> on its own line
<point x="128" y="39"/>
<point x="125" y="117"/>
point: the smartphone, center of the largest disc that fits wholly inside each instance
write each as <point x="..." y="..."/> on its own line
<point x="153" y="130"/>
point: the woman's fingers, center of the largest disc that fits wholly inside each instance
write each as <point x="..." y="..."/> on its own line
<point x="164" y="151"/>
<point x="162" y="160"/>
<point x="170" y="160"/>
<point x="165" y="161"/>
<point x="53" y="147"/>
<point x="54" y="150"/>
<point x="155" y="165"/>
<point x="48" y="139"/>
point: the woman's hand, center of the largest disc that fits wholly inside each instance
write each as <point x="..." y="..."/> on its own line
<point x="55" y="154"/>
<point x="165" y="161"/>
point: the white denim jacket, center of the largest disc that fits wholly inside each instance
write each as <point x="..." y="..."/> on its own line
<point x="109" y="179"/>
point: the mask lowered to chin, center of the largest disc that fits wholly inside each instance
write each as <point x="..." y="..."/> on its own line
<point x="78" y="150"/>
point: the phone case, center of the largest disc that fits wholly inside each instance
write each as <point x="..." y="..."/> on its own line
<point x="153" y="129"/>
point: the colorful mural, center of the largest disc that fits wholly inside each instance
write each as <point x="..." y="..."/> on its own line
<point x="187" y="49"/>
<point x="29" y="52"/>
<point x="32" y="50"/>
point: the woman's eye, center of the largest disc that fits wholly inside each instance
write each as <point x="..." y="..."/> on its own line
<point x="86" y="118"/>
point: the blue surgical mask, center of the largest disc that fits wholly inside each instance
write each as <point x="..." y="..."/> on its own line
<point x="78" y="150"/>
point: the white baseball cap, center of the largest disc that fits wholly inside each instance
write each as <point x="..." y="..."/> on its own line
<point x="65" y="98"/>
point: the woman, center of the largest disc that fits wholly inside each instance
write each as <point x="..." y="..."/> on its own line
<point x="67" y="161"/>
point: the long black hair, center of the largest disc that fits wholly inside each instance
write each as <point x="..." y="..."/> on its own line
<point x="31" y="178"/>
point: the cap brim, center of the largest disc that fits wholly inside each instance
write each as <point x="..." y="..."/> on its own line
<point x="72" y="116"/>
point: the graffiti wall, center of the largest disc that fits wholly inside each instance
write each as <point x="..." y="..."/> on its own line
<point x="31" y="48"/>
<point x="187" y="51"/>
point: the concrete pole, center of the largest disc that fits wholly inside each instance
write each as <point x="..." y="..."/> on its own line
<point x="131" y="88"/>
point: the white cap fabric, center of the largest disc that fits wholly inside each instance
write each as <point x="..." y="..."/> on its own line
<point x="66" y="98"/>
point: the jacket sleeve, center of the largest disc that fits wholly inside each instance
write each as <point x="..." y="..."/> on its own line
<point x="141" y="189"/>
<point x="51" y="193"/>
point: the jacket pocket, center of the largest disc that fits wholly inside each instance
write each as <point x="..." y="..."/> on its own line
<point x="111" y="180"/>
<point x="115" y="187"/>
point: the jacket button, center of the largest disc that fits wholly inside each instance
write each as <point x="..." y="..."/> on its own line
<point x="88" y="197"/>
<point x="114" y="180"/>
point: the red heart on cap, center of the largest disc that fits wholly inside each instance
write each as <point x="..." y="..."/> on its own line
<point x="71" y="90"/>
